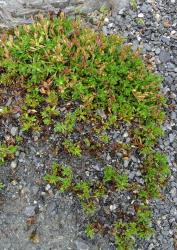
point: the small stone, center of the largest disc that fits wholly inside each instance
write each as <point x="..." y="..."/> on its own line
<point x="151" y="246"/>
<point x="164" y="56"/>
<point x="171" y="137"/>
<point x="173" y="192"/>
<point x="35" y="189"/>
<point x="30" y="211"/>
<point x="14" y="131"/>
<point x="140" y="15"/>
<point x="173" y="115"/>
<point x="138" y="173"/>
<point x="13" y="164"/>
<point x="111" y="25"/>
<point x="126" y="162"/>
<point x="36" y="138"/>
<point x="113" y="207"/>
<point x="158" y="17"/>
<point x="96" y="167"/>
<point x="157" y="51"/>
<point x="108" y="157"/>
<point x="47" y="188"/>
<point x="173" y="32"/>
<point x="81" y="245"/>
<point x="14" y="182"/>
<point x="158" y="222"/>
<point x="106" y="20"/>
<point x="101" y="113"/>
<point x="165" y="39"/>
<point x="125" y="135"/>
<point x="131" y="175"/>
<point x="105" y="30"/>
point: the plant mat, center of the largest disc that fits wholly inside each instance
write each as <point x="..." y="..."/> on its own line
<point x="95" y="96"/>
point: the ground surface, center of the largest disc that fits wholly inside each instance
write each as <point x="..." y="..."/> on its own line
<point x="20" y="11"/>
<point x="56" y="220"/>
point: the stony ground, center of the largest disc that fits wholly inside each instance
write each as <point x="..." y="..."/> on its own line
<point x="15" y="12"/>
<point x="33" y="215"/>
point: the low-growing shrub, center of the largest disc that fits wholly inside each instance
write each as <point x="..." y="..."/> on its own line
<point x="82" y="84"/>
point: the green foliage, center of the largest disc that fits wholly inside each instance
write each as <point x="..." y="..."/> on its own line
<point x="90" y="231"/>
<point x="89" y="208"/>
<point x="65" y="75"/>
<point x="133" y="4"/>
<point x="47" y="114"/>
<point x="83" y="190"/>
<point x="59" y="60"/>
<point x="68" y="125"/>
<point x="72" y="148"/>
<point x="125" y="233"/>
<point x="6" y="152"/>
<point x="111" y="175"/>
<point x="4" y="111"/>
<point x="121" y="181"/>
<point x="60" y="176"/>
<point x="1" y="186"/>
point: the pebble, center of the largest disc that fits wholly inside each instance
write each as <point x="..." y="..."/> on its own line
<point x="126" y="163"/>
<point x="158" y="17"/>
<point x="173" y="192"/>
<point x="157" y="51"/>
<point x="113" y="207"/>
<point x="14" y="131"/>
<point x="13" y="164"/>
<point x="171" y="137"/>
<point x="125" y="135"/>
<point x="106" y="20"/>
<point x="47" y="187"/>
<point x="30" y="211"/>
<point x="81" y="245"/>
<point x="140" y="15"/>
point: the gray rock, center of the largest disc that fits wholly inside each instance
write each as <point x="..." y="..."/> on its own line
<point x="173" y="192"/>
<point x="164" y="56"/>
<point x="157" y="51"/>
<point x="81" y="245"/>
<point x="13" y="164"/>
<point x="14" y="131"/>
<point x="59" y="3"/>
<point x="126" y="163"/>
<point x="171" y="137"/>
<point x="30" y="211"/>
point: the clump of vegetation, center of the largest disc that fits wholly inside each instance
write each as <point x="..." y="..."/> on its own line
<point x="133" y="4"/>
<point x="125" y="233"/>
<point x="6" y="152"/>
<point x="72" y="148"/>
<point x="1" y="186"/>
<point x="60" y="176"/>
<point x="81" y="84"/>
<point x="110" y="175"/>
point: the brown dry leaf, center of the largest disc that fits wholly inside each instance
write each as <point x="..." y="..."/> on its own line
<point x="10" y="140"/>
<point x="31" y="221"/>
<point x="140" y="96"/>
<point x="32" y="111"/>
